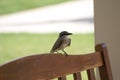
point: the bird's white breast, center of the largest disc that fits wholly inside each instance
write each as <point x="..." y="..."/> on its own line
<point x="65" y="42"/>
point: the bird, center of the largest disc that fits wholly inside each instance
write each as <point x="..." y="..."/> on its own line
<point x="62" y="42"/>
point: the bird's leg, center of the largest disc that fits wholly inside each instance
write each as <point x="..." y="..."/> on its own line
<point x="64" y="52"/>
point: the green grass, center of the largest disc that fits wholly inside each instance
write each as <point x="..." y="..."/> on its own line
<point x="14" y="46"/>
<point x="10" y="6"/>
<point x="17" y="45"/>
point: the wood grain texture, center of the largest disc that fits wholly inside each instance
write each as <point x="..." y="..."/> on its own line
<point x="105" y="70"/>
<point x="77" y="76"/>
<point x="62" y="78"/>
<point x="48" y="66"/>
<point x="91" y="74"/>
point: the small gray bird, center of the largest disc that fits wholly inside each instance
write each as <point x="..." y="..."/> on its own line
<point x="62" y="42"/>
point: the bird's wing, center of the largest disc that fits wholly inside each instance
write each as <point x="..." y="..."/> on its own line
<point x="57" y="44"/>
<point x="69" y="42"/>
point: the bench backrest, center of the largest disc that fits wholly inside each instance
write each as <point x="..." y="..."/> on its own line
<point x="50" y="66"/>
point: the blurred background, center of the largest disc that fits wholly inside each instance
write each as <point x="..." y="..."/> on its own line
<point x="30" y="27"/>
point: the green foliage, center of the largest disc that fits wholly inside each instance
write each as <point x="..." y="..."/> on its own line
<point x="10" y="6"/>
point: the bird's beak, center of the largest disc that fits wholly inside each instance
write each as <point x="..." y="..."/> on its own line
<point x="69" y="33"/>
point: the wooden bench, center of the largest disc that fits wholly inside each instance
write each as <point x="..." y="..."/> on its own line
<point x="50" y="66"/>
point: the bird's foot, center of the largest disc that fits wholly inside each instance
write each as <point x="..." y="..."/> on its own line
<point x="65" y="53"/>
<point x="58" y="52"/>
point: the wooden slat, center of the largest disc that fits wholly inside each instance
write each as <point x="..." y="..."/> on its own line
<point x="77" y="76"/>
<point x="62" y="78"/>
<point x="91" y="74"/>
<point x="105" y="70"/>
<point x="48" y="66"/>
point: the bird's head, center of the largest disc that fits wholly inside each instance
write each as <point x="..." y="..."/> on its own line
<point x="64" y="33"/>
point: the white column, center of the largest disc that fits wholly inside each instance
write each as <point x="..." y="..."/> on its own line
<point x="107" y="30"/>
